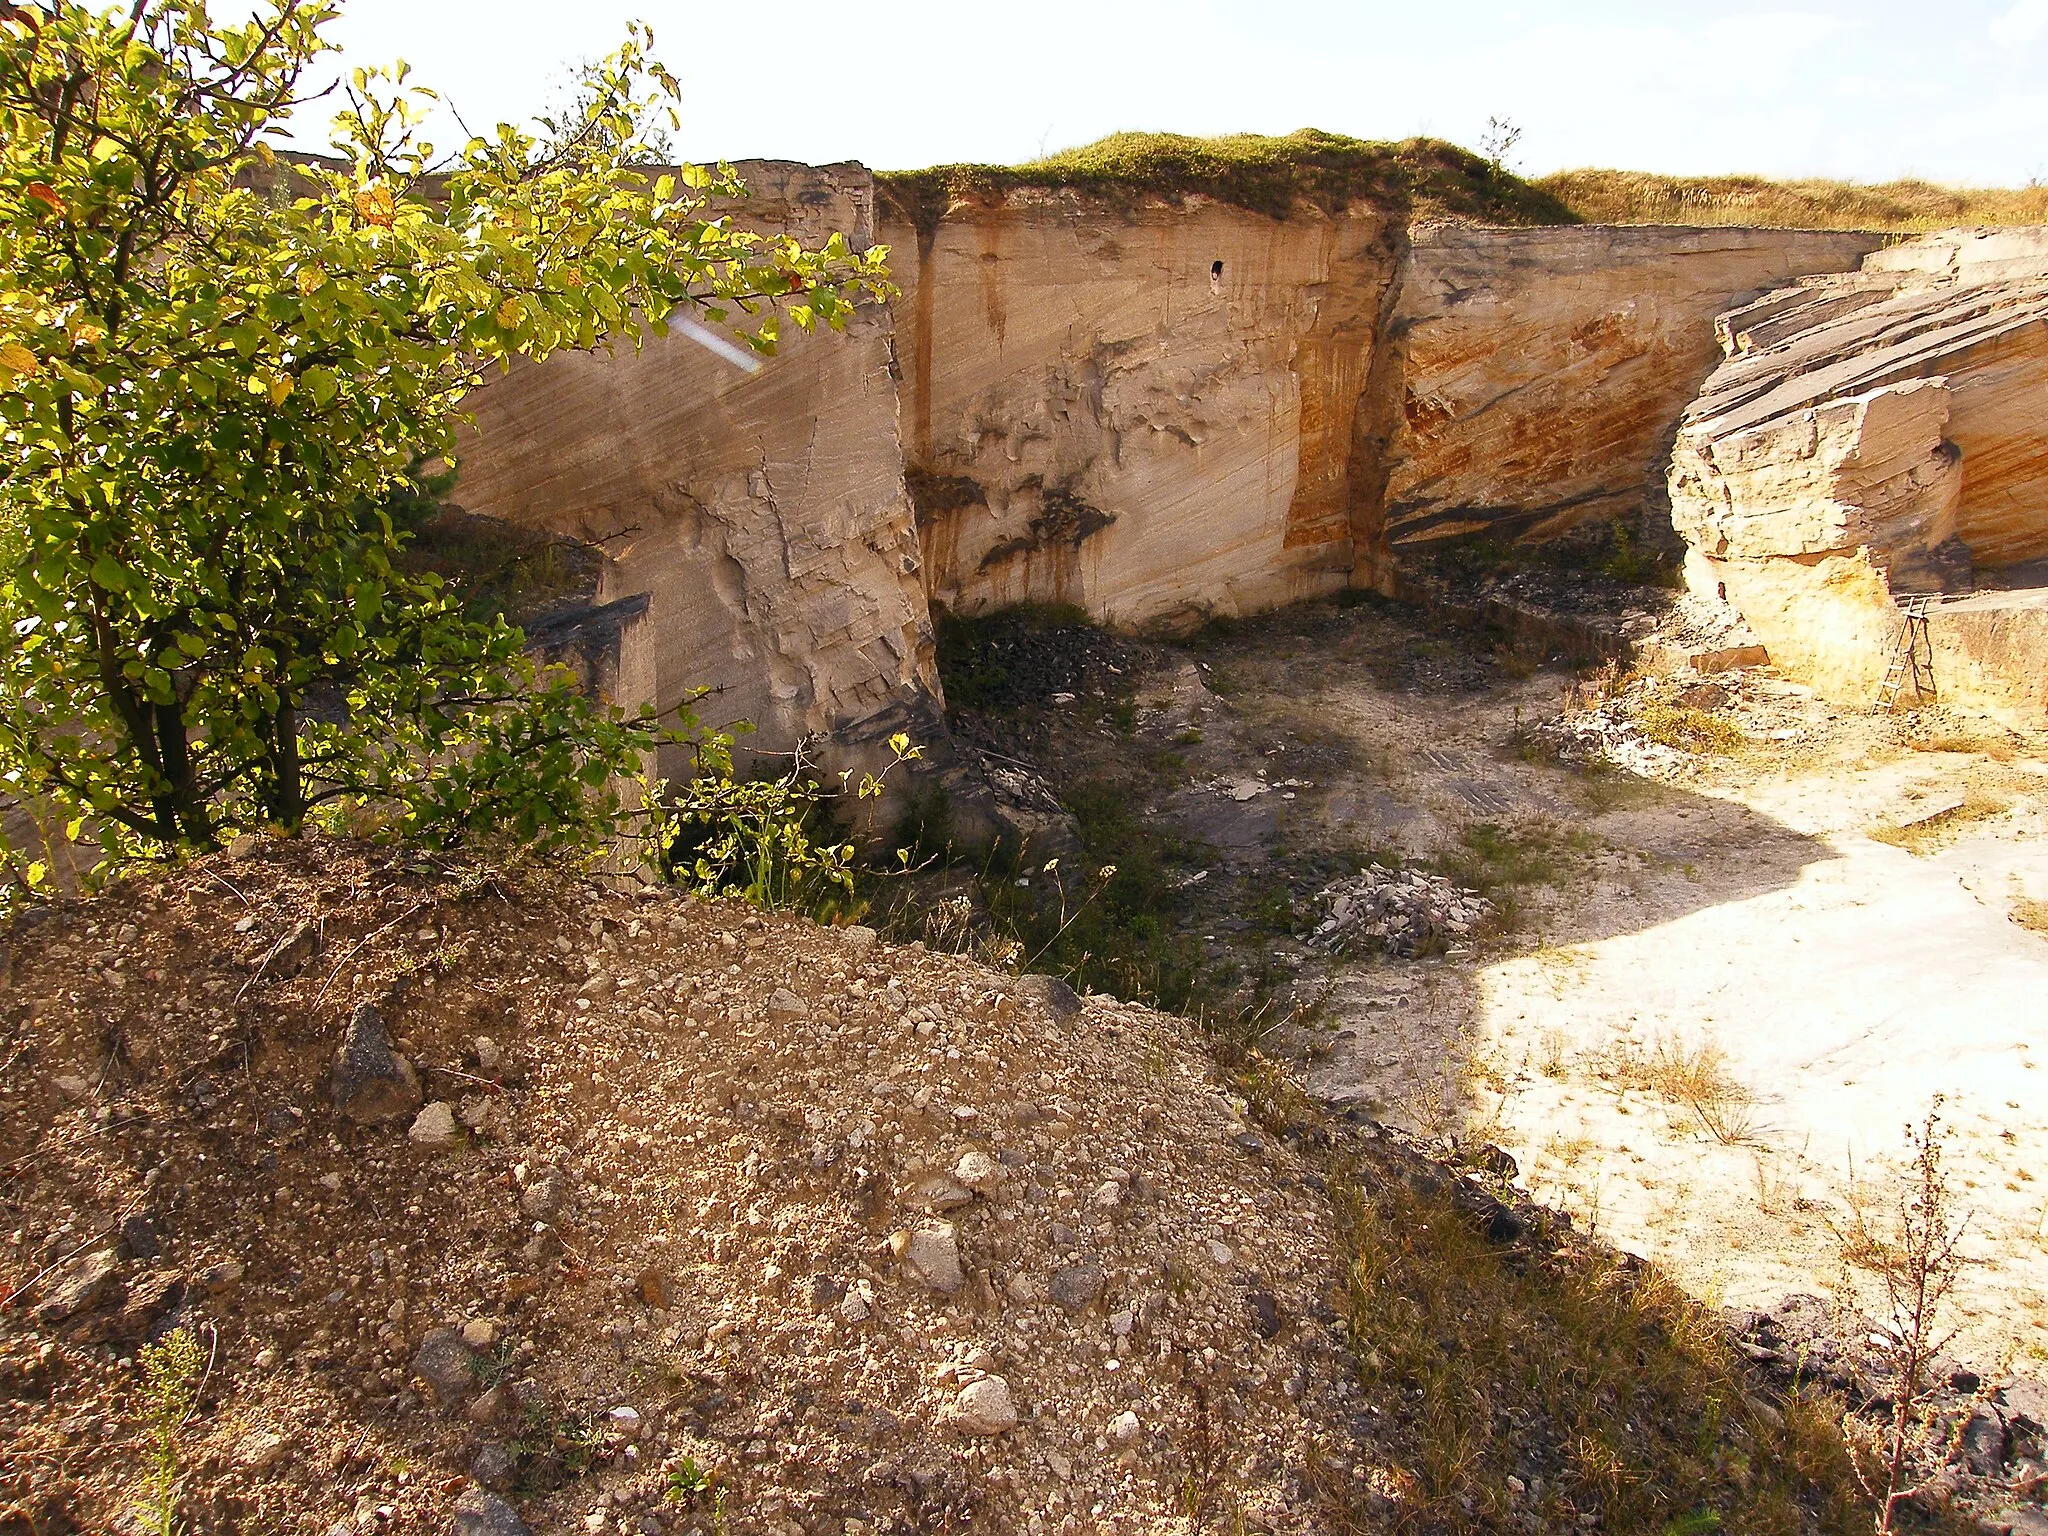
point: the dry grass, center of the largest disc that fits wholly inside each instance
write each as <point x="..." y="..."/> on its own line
<point x="1641" y="197"/>
<point x="2002" y="748"/>
<point x="1691" y="1076"/>
<point x="1587" y="1378"/>
<point x="2031" y="915"/>
<point x="1689" y="730"/>
<point x="1923" y="837"/>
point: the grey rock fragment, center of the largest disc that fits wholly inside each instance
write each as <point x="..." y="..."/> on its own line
<point x="1052" y="995"/>
<point x="544" y="1198"/>
<point x="1076" y="1287"/>
<point x="448" y="1366"/>
<point x="78" y="1285"/>
<point x="372" y="1083"/>
<point x="493" y="1466"/>
<point x="295" y="953"/>
<point x="984" y="1407"/>
<point x="932" y="1254"/>
<point x="480" y="1512"/>
<point x="434" y="1128"/>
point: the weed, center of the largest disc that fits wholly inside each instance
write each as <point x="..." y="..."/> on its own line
<point x="1915" y="1257"/>
<point x="1594" y="1369"/>
<point x="171" y="1374"/>
<point x="688" y="1482"/>
<point x="1689" y="730"/>
<point x="1497" y="861"/>
<point x="553" y="1448"/>
<point x="1198" y="1483"/>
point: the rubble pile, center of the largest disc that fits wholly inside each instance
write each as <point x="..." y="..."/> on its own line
<point x="1604" y="736"/>
<point x="1404" y="912"/>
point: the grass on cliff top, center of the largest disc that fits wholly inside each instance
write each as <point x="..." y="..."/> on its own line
<point x="1264" y="174"/>
<point x="1436" y="180"/>
<point x="1902" y="207"/>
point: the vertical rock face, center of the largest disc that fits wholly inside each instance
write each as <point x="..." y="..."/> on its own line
<point x="1148" y="411"/>
<point x="762" y="516"/>
<point x="1873" y="433"/>
<point x="1544" y="370"/>
<point x="1970" y="307"/>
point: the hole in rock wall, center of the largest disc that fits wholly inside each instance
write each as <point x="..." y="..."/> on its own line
<point x="1215" y="277"/>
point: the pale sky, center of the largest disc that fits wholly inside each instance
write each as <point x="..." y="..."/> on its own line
<point x="1862" y="89"/>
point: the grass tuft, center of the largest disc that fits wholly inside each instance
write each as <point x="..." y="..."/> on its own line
<point x="2031" y="915"/>
<point x="1696" y="1077"/>
<point x="1925" y="836"/>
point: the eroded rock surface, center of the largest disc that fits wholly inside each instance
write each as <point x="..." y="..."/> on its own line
<point x="1544" y="370"/>
<point x="763" y="515"/>
<point x="1146" y="411"/>
<point x="1877" y="433"/>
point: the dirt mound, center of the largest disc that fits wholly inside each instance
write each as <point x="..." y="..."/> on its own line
<point x="643" y="1212"/>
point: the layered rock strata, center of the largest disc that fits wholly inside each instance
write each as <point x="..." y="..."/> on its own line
<point x="1542" y="372"/>
<point x="1875" y="433"/>
<point x="1148" y="411"/>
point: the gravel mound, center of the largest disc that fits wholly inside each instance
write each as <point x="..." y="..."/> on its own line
<point x="671" y="1216"/>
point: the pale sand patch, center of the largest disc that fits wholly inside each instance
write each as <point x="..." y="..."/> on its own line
<point x="1844" y="1002"/>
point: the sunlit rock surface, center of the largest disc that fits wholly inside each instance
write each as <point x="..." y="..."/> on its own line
<point x="1877" y="433"/>
<point x="763" y="515"/>
<point x="1146" y="410"/>
<point x="1543" y="371"/>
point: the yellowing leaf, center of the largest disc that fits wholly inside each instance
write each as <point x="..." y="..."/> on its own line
<point x="43" y="193"/>
<point x="376" y="205"/>
<point x="280" y="389"/>
<point x="511" y="313"/>
<point x="311" y="280"/>
<point x="17" y="359"/>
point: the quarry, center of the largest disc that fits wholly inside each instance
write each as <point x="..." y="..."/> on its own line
<point x="1472" y="777"/>
<point x="1170" y="413"/>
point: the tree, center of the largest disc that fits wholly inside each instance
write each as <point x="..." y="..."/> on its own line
<point x="219" y="370"/>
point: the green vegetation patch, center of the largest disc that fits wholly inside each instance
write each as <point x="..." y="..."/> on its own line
<point x="1268" y="175"/>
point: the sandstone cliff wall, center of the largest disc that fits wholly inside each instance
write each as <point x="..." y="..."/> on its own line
<point x="1875" y="433"/>
<point x="762" y="515"/>
<point x="1543" y="371"/>
<point x="1147" y="411"/>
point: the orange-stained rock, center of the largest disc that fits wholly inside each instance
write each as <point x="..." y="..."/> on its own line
<point x="1148" y="411"/>
<point x="1545" y="369"/>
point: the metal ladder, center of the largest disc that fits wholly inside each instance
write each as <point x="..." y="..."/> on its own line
<point x="1912" y="658"/>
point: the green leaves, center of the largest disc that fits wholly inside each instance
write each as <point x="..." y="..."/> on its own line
<point x="221" y="377"/>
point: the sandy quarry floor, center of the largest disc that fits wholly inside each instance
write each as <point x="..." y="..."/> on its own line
<point x="1732" y="901"/>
